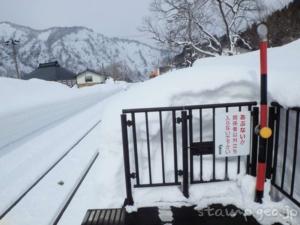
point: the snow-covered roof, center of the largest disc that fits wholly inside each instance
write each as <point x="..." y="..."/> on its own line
<point x="91" y="71"/>
<point x="50" y="71"/>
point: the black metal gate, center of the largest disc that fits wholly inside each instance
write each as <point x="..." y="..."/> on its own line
<point x="285" y="162"/>
<point x="191" y="130"/>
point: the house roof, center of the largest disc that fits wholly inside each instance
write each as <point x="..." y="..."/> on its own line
<point x="51" y="71"/>
<point x="90" y="70"/>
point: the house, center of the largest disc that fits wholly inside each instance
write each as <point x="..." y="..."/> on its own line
<point x="154" y="73"/>
<point x="89" y="78"/>
<point x="52" y="71"/>
<point x="159" y="71"/>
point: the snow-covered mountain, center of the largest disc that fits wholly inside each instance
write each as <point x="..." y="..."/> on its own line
<point x="211" y="80"/>
<point x="76" y="48"/>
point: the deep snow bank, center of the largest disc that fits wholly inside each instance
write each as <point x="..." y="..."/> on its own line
<point x="17" y="95"/>
<point x="34" y="105"/>
<point x="211" y="80"/>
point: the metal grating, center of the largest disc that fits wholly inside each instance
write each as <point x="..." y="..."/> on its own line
<point x="104" y="216"/>
<point x="215" y="214"/>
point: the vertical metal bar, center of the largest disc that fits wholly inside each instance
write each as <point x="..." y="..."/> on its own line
<point x="191" y="141"/>
<point x="175" y="146"/>
<point x="273" y="181"/>
<point x="287" y="116"/>
<point x="148" y="147"/>
<point x="185" y="164"/>
<point x="248" y="156"/>
<point x="129" y="198"/>
<point x="201" y="138"/>
<point x="214" y="156"/>
<point x="226" y="160"/>
<point x="162" y="147"/>
<point x="239" y="157"/>
<point x="200" y="125"/>
<point x="254" y="141"/>
<point x="270" y="143"/>
<point x="295" y="153"/>
<point x="136" y="158"/>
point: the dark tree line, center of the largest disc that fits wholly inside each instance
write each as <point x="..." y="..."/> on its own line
<point x="283" y="25"/>
<point x="206" y="28"/>
<point x="120" y="71"/>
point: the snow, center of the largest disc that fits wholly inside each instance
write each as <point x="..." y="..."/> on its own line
<point x="35" y="105"/>
<point x="270" y="6"/>
<point x="210" y="80"/>
<point x="31" y="93"/>
<point x="63" y="112"/>
<point x="77" y="48"/>
<point x="239" y="193"/>
<point x="43" y="36"/>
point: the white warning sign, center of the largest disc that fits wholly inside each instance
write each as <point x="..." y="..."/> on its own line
<point x="232" y="134"/>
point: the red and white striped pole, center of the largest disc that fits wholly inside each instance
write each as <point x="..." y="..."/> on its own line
<point x="264" y="132"/>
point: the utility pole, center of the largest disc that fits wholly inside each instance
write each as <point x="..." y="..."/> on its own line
<point x="13" y="44"/>
<point x="264" y="132"/>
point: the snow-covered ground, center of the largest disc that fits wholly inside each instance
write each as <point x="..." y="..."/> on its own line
<point x="51" y="118"/>
<point x="211" y="80"/>
<point x="29" y="107"/>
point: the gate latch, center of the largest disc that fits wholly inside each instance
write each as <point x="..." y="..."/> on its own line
<point x="132" y="175"/>
<point x="178" y="120"/>
<point x="129" y="123"/>
<point x="180" y="173"/>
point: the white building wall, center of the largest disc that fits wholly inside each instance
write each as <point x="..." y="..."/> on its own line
<point x="96" y="78"/>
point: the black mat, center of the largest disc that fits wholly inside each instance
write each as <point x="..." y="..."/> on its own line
<point x="212" y="215"/>
<point x="144" y="216"/>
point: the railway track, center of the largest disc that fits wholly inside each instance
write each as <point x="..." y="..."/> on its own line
<point x="45" y="173"/>
<point x="68" y="201"/>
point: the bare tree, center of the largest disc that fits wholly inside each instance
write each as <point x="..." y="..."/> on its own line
<point x="235" y="15"/>
<point x="198" y="25"/>
<point x="120" y="71"/>
<point x="180" y="23"/>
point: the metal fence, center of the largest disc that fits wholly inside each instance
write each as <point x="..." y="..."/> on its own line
<point x="203" y="150"/>
<point x="150" y="162"/>
<point x="191" y="130"/>
<point x="286" y="160"/>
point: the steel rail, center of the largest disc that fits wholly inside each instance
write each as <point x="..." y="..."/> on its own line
<point x="91" y="163"/>
<point x="46" y="172"/>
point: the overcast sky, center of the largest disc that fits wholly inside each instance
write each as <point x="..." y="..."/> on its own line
<point x="110" y="17"/>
